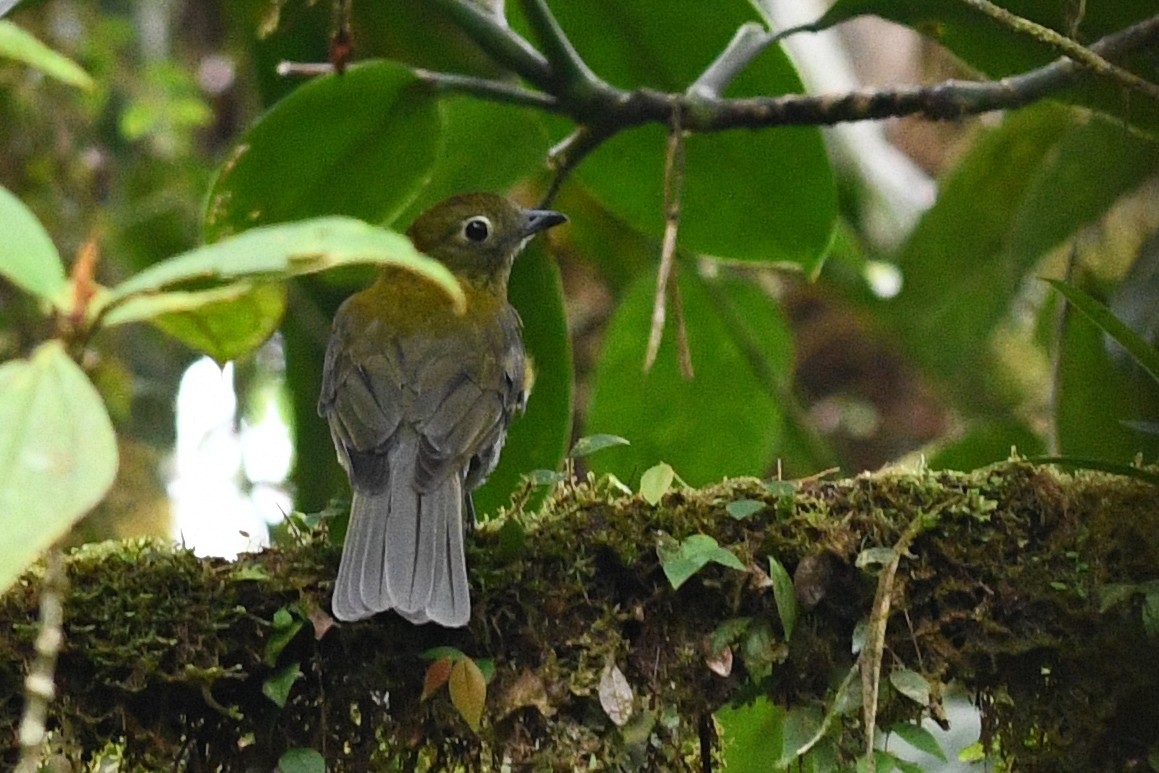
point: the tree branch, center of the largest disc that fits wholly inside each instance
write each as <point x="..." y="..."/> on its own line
<point x="1021" y="587"/>
<point x="748" y="42"/>
<point x="503" y="45"/>
<point x="617" y="110"/>
<point x="1066" y="46"/>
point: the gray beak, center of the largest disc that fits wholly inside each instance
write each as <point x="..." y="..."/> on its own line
<point x="536" y="220"/>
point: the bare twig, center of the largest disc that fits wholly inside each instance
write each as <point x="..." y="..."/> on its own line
<point x="673" y="182"/>
<point x="499" y="41"/>
<point x="749" y="41"/>
<point x="570" y="71"/>
<point x="39" y="688"/>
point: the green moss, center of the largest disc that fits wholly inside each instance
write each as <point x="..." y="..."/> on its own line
<point x="166" y="654"/>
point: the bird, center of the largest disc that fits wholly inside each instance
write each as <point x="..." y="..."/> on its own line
<point x="418" y="398"/>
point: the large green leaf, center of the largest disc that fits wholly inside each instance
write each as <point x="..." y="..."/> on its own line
<point x="724" y="421"/>
<point x="17" y="44"/>
<point x="997" y="51"/>
<point x="1022" y="189"/>
<point x="538" y="439"/>
<point x="229" y="320"/>
<point x="279" y="252"/>
<point x="58" y="454"/>
<point x="760" y="196"/>
<point x="489" y="147"/>
<point x="360" y="144"/>
<point x="752" y="735"/>
<point x="1141" y="352"/>
<point x="1095" y="398"/>
<point x="28" y="257"/>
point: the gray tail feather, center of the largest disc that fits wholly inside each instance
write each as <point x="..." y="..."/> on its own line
<point x="404" y="551"/>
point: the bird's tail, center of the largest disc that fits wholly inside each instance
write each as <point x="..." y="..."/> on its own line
<point x="404" y="551"/>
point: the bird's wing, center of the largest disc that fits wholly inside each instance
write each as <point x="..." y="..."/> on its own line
<point x="458" y="391"/>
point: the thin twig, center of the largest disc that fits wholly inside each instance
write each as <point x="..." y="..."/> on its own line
<point x="1066" y="46"/>
<point x="571" y="73"/>
<point x="673" y="182"/>
<point x="749" y="41"/>
<point x="499" y="41"/>
<point x="497" y="91"/>
<point x="39" y="687"/>
<point x="566" y="156"/>
<point x="683" y="350"/>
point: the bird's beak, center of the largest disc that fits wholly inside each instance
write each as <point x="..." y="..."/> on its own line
<point x="536" y="220"/>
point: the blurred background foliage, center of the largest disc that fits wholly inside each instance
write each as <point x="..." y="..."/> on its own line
<point x="804" y="359"/>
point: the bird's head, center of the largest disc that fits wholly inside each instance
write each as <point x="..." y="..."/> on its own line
<point x="478" y="235"/>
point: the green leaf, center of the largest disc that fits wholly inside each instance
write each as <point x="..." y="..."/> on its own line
<point x="277" y="686"/>
<point x="282" y="251"/>
<point x="227" y="328"/>
<point x="752" y="735"/>
<point x="656" y="481"/>
<point x="919" y="738"/>
<point x="960" y="243"/>
<point x="488" y="147"/>
<point x="589" y="444"/>
<point x="285" y="628"/>
<point x="743" y="508"/>
<point x="725" y="421"/>
<point x="681" y="561"/>
<point x="58" y="454"/>
<point x="1141" y="352"/>
<point x="537" y="439"/>
<point x="1093" y="397"/>
<point x="360" y="144"/>
<point x="17" y="44"/>
<point x="911" y="684"/>
<point x="301" y="761"/>
<point x="28" y="257"/>
<point x="784" y="595"/>
<point x="786" y="208"/>
<point x="468" y="692"/>
<point x="1151" y="613"/>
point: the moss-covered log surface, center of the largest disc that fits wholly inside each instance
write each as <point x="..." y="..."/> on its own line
<point x="1020" y="586"/>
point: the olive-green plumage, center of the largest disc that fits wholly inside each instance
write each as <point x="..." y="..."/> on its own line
<point x="418" y="399"/>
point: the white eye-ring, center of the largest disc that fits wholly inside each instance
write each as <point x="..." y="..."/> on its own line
<point x="477" y="229"/>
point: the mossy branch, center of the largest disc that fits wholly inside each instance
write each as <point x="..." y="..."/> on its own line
<point x="1015" y="591"/>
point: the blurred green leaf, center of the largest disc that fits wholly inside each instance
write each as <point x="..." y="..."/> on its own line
<point x="682" y="560"/>
<point x="488" y="147"/>
<point x="360" y="144"/>
<point x="786" y="208"/>
<point x="277" y="686"/>
<point x="301" y="761"/>
<point x="785" y="596"/>
<point x="58" y="454"/>
<point x="17" y="44"/>
<point x="538" y="439"/>
<point x="998" y="51"/>
<point x="1140" y="351"/>
<point x="911" y="684"/>
<point x="919" y="738"/>
<point x="590" y="444"/>
<point x="28" y="257"/>
<point x="743" y="508"/>
<point x="1094" y="397"/>
<point x="1151" y="613"/>
<point x="726" y="420"/>
<point x="279" y="252"/>
<point x="656" y="481"/>
<point x="986" y="442"/>
<point x="967" y="257"/>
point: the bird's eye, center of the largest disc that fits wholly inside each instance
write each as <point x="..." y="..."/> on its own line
<point x="477" y="229"/>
